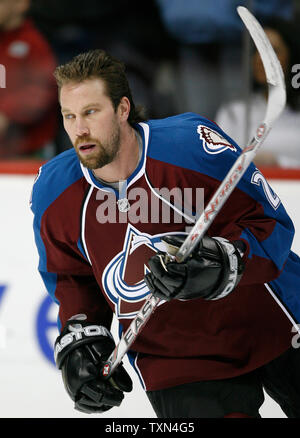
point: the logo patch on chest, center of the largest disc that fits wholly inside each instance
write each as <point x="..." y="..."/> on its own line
<point x="123" y="278"/>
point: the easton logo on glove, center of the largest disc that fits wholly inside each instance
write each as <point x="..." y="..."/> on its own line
<point x="76" y="332"/>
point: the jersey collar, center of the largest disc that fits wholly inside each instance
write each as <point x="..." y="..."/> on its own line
<point x="143" y="129"/>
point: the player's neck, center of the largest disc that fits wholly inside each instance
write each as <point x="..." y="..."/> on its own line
<point x="125" y="162"/>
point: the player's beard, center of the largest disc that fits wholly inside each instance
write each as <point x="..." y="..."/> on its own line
<point x="104" y="152"/>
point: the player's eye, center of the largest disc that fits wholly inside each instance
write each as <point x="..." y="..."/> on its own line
<point x="90" y="111"/>
<point x="68" y="116"/>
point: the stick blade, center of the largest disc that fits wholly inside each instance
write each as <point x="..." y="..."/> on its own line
<point x="273" y="69"/>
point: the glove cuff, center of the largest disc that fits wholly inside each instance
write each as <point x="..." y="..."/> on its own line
<point x="75" y="334"/>
<point x="233" y="272"/>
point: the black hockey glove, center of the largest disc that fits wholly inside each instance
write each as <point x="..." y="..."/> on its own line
<point x="211" y="272"/>
<point x="80" y="351"/>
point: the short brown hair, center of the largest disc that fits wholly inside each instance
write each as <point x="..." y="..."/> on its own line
<point x="99" y="64"/>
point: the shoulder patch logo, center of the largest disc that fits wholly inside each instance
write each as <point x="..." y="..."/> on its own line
<point x="213" y="142"/>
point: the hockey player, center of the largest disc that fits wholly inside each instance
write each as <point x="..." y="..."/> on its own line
<point x="103" y="220"/>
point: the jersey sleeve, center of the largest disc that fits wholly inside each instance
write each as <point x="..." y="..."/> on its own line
<point x="202" y="154"/>
<point x="65" y="271"/>
<point x="259" y="219"/>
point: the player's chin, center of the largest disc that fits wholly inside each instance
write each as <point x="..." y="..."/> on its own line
<point x="91" y="161"/>
<point x="87" y="157"/>
<point x="94" y="162"/>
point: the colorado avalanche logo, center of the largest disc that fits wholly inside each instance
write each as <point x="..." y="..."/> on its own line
<point x="123" y="278"/>
<point x="213" y="142"/>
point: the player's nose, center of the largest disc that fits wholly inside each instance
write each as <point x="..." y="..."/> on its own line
<point x="81" y="127"/>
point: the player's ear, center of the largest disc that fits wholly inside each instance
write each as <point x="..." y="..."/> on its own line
<point x="124" y="108"/>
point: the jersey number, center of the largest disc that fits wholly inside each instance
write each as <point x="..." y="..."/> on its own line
<point x="259" y="179"/>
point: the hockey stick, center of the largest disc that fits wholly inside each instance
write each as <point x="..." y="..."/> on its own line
<point x="275" y="105"/>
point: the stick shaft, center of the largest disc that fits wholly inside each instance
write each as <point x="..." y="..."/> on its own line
<point x="130" y="335"/>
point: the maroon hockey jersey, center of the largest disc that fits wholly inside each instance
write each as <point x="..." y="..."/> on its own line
<point x="94" y="243"/>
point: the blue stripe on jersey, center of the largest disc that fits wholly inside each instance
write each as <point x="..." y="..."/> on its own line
<point x="80" y="247"/>
<point x="55" y="177"/>
<point x="272" y="247"/>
